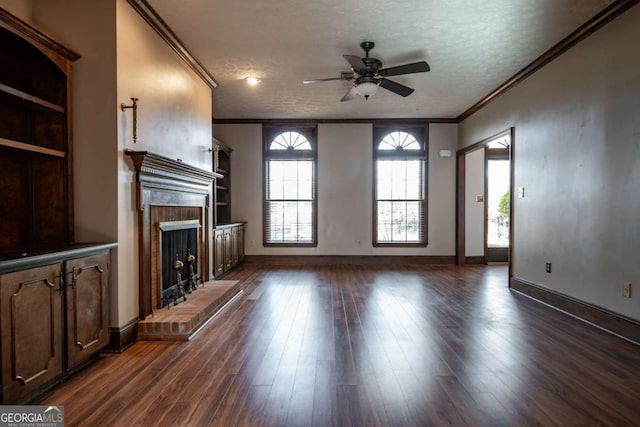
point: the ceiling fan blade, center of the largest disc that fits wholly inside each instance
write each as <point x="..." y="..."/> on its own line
<point x="396" y="88"/>
<point x="350" y="94"/>
<point x="356" y="62"/>
<point x="343" y="76"/>
<point x="321" y="80"/>
<point x="416" y="67"/>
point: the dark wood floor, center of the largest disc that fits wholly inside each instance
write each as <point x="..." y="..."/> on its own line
<point x="364" y="346"/>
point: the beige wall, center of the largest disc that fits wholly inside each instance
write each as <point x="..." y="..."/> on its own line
<point x="20" y="8"/>
<point x="122" y="57"/>
<point x="344" y="190"/>
<point x="174" y="120"/>
<point x="577" y="153"/>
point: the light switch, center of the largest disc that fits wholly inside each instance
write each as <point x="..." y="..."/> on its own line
<point x="479" y="198"/>
<point x="521" y="192"/>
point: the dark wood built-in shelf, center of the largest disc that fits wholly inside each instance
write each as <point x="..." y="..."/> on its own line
<point x="25" y="96"/>
<point x="35" y="139"/>
<point x="228" y="247"/>
<point x="29" y="147"/>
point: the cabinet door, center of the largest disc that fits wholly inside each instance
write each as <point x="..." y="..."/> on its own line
<point x="218" y="253"/>
<point x="228" y="257"/>
<point x="87" y="309"/>
<point x="240" y="243"/>
<point x="235" y="246"/>
<point x="31" y="316"/>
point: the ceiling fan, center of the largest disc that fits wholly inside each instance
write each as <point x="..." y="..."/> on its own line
<point x="367" y="74"/>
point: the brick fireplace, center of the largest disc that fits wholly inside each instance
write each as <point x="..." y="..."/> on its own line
<point x="169" y="192"/>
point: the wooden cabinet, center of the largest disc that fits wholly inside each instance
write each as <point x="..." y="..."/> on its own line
<point x="53" y="293"/>
<point x="86" y="306"/>
<point x="237" y="240"/>
<point x="222" y="185"/>
<point x="229" y="247"/>
<point x="53" y="317"/>
<point x="35" y="153"/>
<point x="31" y="330"/>
<point x="218" y="252"/>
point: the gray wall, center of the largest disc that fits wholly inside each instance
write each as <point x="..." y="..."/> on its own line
<point x="344" y="190"/>
<point x="577" y="153"/>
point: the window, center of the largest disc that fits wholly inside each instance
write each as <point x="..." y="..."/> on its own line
<point x="400" y="207"/>
<point x="290" y="205"/>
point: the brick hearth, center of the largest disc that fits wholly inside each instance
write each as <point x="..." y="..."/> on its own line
<point x="181" y="322"/>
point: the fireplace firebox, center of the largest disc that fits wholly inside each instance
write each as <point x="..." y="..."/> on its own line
<point x="177" y="260"/>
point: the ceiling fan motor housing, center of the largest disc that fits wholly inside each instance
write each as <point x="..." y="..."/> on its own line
<point x="373" y="65"/>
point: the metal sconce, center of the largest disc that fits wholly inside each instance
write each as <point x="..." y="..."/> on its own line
<point x="134" y="107"/>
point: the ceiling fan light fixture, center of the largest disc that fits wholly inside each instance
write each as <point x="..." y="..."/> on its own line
<point x="366" y="89"/>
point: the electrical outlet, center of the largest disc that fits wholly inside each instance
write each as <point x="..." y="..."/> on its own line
<point x="626" y="290"/>
<point x="547" y="267"/>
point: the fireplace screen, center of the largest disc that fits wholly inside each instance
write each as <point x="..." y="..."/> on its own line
<point x="178" y="260"/>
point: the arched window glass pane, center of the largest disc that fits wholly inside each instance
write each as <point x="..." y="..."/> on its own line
<point x="290" y="141"/>
<point x="399" y="140"/>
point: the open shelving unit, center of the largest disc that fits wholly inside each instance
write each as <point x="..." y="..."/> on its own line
<point x="222" y="165"/>
<point x="228" y="236"/>
<point x="35" y="145"/>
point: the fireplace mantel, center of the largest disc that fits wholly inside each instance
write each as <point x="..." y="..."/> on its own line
<point x="168" y="190"/>
<point x="154" y="170"/>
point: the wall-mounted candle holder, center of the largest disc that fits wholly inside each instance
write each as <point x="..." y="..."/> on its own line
<point x="134" y="107"/>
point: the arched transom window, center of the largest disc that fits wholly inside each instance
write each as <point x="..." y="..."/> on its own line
<point x="400" y="187"/>
<point x="399" y="140"/>
<point x="290" y="141"/>
<point x="290" y="187"/>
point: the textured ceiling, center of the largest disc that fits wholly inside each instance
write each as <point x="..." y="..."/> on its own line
<point x="472" y="47"/>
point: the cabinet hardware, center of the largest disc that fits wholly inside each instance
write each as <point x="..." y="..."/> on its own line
<point x="73" y="278"/>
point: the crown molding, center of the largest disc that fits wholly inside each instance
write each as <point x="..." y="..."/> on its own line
<point x="19" y="26"/>
<point x="612" y="11"/>
<point x="157" y="23"/>
<point x="380" y="122"/>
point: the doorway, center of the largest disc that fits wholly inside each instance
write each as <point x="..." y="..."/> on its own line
<point x="497" y="205"/>
<point x="494" y="238"/>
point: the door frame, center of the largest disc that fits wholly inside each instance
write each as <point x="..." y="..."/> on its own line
<point x="461" y="195"/>
<point x="502" y="154"/>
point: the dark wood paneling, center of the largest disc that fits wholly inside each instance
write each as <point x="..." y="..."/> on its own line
<point x="605" y="319"/>
<point x="49" y="207"/>
<point x="15" y="179"/>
